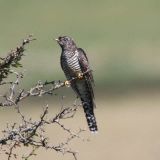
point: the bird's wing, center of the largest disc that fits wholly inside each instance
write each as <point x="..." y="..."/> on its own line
<point x="84" y="64"/>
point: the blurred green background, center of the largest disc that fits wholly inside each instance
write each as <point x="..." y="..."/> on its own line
<point x="121" y="38"/>
<point x="122" y="41"/>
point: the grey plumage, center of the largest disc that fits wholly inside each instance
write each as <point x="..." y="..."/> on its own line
<point x="73" y="62"/>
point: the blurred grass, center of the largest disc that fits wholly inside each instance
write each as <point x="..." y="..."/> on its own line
<point x="121" y="38"/>
<point x="128" y="128"/>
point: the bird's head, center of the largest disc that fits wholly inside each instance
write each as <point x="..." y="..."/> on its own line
<point x="66" y="42"/>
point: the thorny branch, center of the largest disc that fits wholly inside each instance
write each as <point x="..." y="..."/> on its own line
<point x="37" y="90"/>
<point x="28" y="132"/>
<point x="32" y="133"/>
<point x="13" y="58"/>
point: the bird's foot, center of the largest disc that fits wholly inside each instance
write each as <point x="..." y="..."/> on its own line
<point x="67" y="83"/>
<point x="80" y="75"/>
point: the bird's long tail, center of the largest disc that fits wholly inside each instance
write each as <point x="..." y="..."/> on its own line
<point x="91" y="120"/>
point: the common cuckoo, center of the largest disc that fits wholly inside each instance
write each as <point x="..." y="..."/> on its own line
<point x="74" y="63"/>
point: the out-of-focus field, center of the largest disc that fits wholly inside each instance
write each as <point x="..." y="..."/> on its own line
<point x="121" y="38"/>
<point x="128" y="128"/>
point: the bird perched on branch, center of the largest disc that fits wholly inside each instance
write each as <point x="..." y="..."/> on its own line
<point x="74" y="63"/>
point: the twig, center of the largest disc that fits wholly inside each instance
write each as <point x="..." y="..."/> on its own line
<point x="28" y="134"/>
<point x="13" y="58"/>
<point x="37" y="90"/>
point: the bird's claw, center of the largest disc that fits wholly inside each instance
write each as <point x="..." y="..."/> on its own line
<point x="67" y="83"/>
<point x="80" y="75"/>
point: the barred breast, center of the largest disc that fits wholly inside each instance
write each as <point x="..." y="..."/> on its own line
<point x="70" y="64"/>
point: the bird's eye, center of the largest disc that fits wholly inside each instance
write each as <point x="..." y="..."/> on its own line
<point x="65" y="39"/>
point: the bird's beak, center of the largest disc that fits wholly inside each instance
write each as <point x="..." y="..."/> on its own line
<point x="57" y="39"/>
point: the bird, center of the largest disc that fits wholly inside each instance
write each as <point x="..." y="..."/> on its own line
<point x="74" y="63"/>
